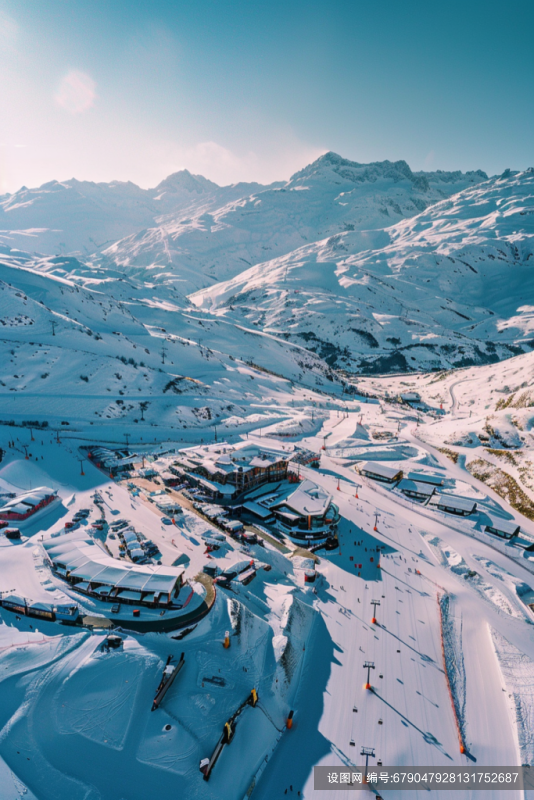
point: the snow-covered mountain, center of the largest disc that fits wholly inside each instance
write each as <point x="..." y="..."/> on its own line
<point x="83" y="217"/>
<point x="330" y="196"/>
<point x="447" y="287"/>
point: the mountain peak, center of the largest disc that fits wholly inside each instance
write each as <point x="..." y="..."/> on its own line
<point x="332" y="166"/>
<point x="183" y="180"/>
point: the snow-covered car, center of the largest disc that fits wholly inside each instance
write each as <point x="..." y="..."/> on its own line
<point x="166" y="521"/>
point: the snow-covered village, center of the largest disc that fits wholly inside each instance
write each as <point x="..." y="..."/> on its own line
<point x="266" y="408"/>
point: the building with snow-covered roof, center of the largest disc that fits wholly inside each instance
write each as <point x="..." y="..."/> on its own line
<point x="380" y="472"/>
<point x="409" y="398"/>
<point x="416" y="490"/>
<point x="168" y="505"/>
<point x="504" y="528"/>
<point x="112" y="461"/>
<point x="24" y="505"/>
<point x="461" y="506"/>
<point x="307" y="514"/>
<point x="79" y="560"/>
<point x="224" y="471"/>
<point x="425" y="477"/>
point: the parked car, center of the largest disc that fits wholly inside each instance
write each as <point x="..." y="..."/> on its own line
<point x="166" y="521"/>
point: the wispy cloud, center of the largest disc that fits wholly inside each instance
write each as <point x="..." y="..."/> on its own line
<point x="76" y="92"/>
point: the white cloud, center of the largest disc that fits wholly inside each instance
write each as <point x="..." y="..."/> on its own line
<point x="76" y="92"/>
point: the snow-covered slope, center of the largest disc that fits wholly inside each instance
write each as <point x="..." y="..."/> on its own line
<point x="70" y="352"/>
<point x="448" y="287"/>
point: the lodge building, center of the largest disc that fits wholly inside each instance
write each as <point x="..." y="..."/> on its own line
<point x="224" y="472"/>
<point x="25" y="505"/>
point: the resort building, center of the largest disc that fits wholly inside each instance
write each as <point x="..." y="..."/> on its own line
<point x="25" y="505"/>
<point x="224" y="472"/>
<point x="425" y="477"/>
<point x="307" y="514"/>
<point x="112" y="461"/>
<point x="416" y="490"/>
<point x="380" y="472"/>
<point x="461" y="506"/>
<point x="81" y="562"/>
<point x="409" y="398"/>
<point x="504" y="528"/>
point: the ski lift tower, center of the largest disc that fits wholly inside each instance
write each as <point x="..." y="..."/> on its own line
<point x="374" y="603"/>
<point x="368" y="752"/>
<point x="368" y="665"/>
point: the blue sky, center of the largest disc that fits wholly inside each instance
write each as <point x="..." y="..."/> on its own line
<point x="238" y="90"/>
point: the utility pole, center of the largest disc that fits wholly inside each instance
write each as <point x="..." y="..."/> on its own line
<point x="54" y="323"/>
<point x="215" y="432"/>
<point x="25" y="451"/>
<point x="163" y="352"/>
<point x="81" y="460"/>
<point x="374" y="603"/>
<point x="377" y="515"/>
<point x="368" y="752"/>
<point x="368" y="665"/>
<point x="127" y="437"/>
<point x="57" y="437"/>
<point x="31" y="435"/>
<point x="358" y="486"/>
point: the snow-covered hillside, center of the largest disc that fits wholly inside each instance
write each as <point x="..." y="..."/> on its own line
<point x="74" y="353"/>
<point x="448" y="287"/>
